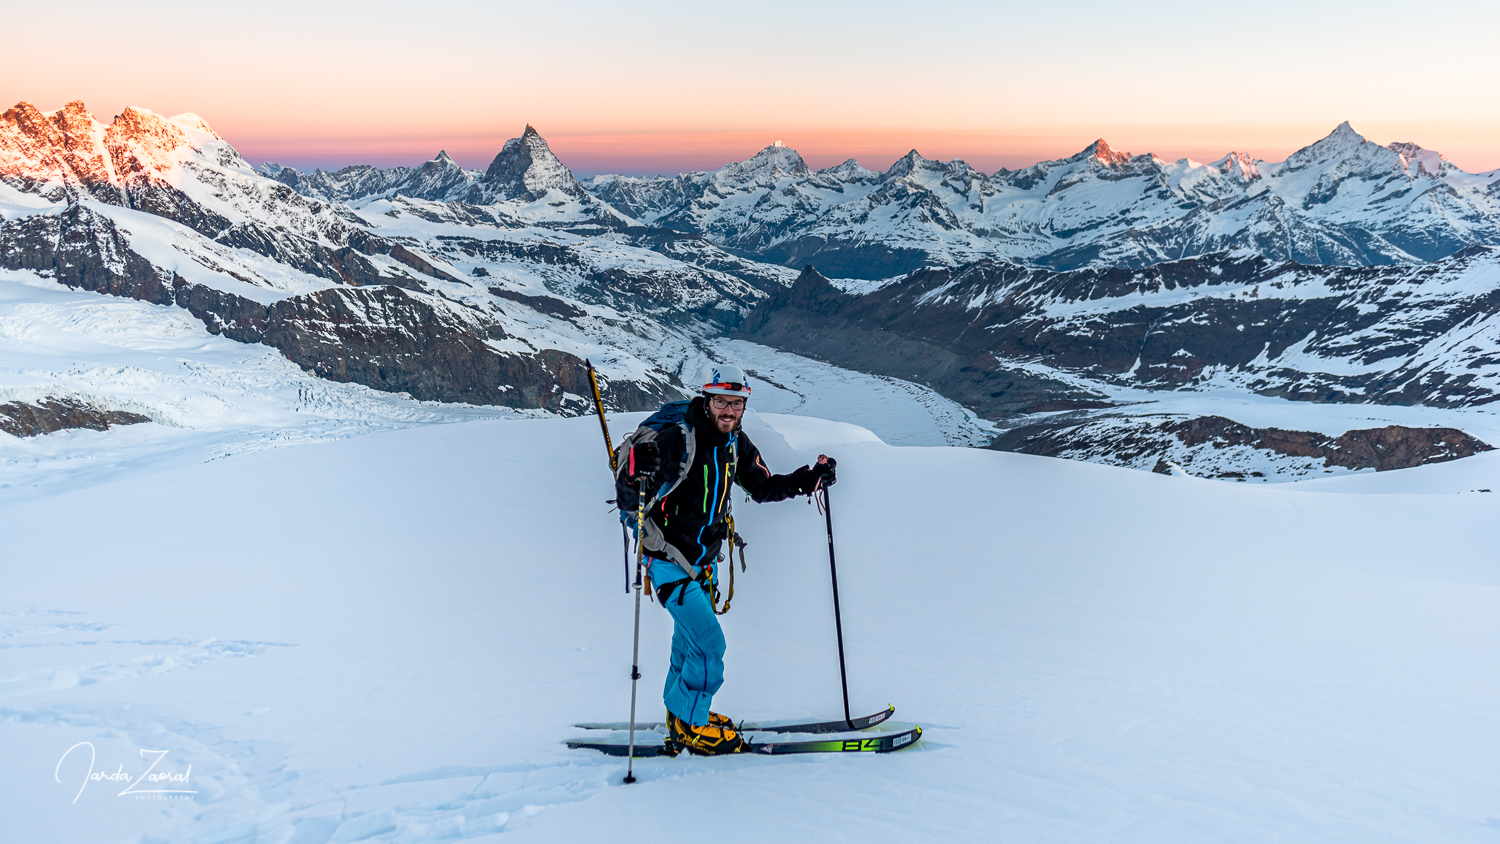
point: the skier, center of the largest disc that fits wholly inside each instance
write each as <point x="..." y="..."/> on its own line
<point x="686" y="457"/>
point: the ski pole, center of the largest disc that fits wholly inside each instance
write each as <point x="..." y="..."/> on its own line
<point x="614" y="465"/>
<point x="838" y="624"/>
<point x="635" y="653"/>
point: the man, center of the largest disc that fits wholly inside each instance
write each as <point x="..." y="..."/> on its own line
<point x="685" y="459"/>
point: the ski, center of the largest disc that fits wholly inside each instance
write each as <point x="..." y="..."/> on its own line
<point x="864" y="723"/>
<point x="613" y="749"/>
<point x="883" y="743"/>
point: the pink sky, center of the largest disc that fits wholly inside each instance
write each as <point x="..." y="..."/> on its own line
<point x="662" y="86"/>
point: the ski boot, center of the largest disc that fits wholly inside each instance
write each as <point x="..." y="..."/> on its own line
<point x="708" y="740"/>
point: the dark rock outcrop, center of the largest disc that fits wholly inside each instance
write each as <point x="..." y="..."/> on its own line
<point x="82" y="249"/>
<point x="22" y="419"/>
<point x="393" y="340"/>
<point x="550" y="305"/>
<point x="223" y="313"/>
<point x="1381" y="449"/>
<point x="1199" y="444"/>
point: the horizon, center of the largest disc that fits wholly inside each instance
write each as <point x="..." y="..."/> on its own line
<point x="665" y="89"/>
<point x="672" y="154"/>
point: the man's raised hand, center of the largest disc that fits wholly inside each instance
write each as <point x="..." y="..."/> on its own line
<point x="824" y="470"/>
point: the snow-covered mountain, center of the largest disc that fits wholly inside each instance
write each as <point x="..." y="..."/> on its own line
<point x="490" y="287"/>
<point x="1343" y="200"/>
<point x="525" y="176"/>
<point x="435" y="179"/>
<point x="1051" y="353"/>
<point x="163" y="210"/>
<point x="1426" y="334"/>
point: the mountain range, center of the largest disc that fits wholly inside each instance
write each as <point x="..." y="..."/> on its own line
<point x="1047" y="299"/>
<point x="1342" y="200"/>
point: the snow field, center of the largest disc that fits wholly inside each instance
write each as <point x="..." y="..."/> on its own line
<point x="208" y="396"/>
<point x="386" y="638"/>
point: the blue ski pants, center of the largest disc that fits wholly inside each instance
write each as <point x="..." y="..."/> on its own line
<point x="697" y="669"/>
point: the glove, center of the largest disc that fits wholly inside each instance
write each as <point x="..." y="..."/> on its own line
<point x="645" y="459"/>
<point x="824" y="470"/>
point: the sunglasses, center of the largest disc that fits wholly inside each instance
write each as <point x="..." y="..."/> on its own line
<point x="726" y="404"/>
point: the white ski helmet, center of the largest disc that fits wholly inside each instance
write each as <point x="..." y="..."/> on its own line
<point x="721" y="379"/>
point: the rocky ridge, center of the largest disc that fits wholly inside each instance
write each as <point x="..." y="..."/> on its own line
<point x="1343" y="200"/>
<point x="61" y="413"/>
<point x="437" y="179"/>
<point x="1216" y="447"/>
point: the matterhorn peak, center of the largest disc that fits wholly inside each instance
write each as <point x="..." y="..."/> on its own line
<point x="525" y="168"/>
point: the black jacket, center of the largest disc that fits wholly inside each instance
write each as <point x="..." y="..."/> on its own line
<point x="690" y="503"/>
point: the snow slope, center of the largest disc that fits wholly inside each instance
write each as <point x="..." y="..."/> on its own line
<point x="208" y="397"/>
<point x="383" y="639"/>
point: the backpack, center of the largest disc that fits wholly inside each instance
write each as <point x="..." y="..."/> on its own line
<point x="677" y="447"/>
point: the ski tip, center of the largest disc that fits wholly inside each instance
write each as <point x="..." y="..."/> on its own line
<point x="909" y="739"/>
